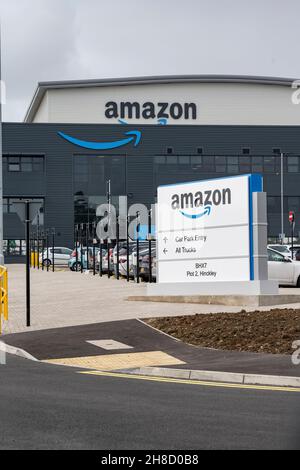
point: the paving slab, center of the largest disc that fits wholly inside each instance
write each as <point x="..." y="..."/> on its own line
<point x="65" y="298"/>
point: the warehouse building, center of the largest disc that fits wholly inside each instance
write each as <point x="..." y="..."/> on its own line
<point x="141" y="133"/>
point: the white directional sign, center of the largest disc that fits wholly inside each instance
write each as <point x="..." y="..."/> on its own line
<point x="204" y="230"/>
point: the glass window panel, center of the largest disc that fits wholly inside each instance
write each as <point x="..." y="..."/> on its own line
<point x="257" y="168"/>
<point x="160" y="159"/>
<point x="172" y="160"/>
<point x="292" y="160"/>
<point x="196" y="160"/>
<point x="245" y="159"/>
<point x="26" y="167"/>
<point x="269" y="168"/>
<point x="220" y="160"/>
<point x="14" y="167"/>
<point x="232" y="160"/>
<point x="14" y="159"/>
<point x="269" y="159"/>
<point x="293" y="169"/>
<point x="245" y="168"/>
<point x="184" y="160"/>
<point x="221" y="168"/>
<point x="233" y="168"/>
<point x="257" y="159"/>
<point x="294" y="204"/>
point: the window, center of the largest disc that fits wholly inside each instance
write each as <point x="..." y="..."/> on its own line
<point x="172" y="160"/>
<point x="200" y="150"/>
<point x="293" y="164"/>
<point x="294" y="204"/>
<point x="276" y="151"/>
<point x="160" y="160"/>
<point x="170" y="150"/>
<point x="196" y="162"/>
<point x="269" y="164"/>
<point x="273" y="256"/>
<point x="246" y="151"/>
<point x="24" y="164"/>
<point x="232" y="165"/>
<point x="13" y="167"/>
<point x="184" y="160"/>
<point x="220" y="162"/>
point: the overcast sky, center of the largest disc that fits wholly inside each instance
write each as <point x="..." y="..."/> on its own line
<point x="44" y="40"/>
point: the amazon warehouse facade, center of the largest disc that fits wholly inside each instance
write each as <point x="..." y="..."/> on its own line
<point x="141" y="133"/>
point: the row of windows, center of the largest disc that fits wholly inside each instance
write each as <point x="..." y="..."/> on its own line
<point x="14" y="247"/>
<point x="229" y="164"/>
<point x="244" y="151"/>
<point x="290" y="203"/>
<point x="17" y="164"/>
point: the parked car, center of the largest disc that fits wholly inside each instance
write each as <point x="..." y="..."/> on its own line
<point x="295" y="249"/>
<point x="283" y="269"/>
<point x="144" y="265"/>
<point x="143" y="260"/>
<point x="281" y="249"/>
<point x="75" y="263"/>
<point x="105" y="260"/>
<point x="123" y="257"/>
<point x="61" y="256"/>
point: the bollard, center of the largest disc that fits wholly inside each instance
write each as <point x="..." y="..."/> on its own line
<point x="81" y="247"/>
<point x="53" y="249"/>
<point x="127" y="249"/>
<point x="27" y="234"/>
<point x="138" y="248"/>
<point x="101" y="260"/>
<point x="47" y="244"/>
<point x="150" y="245"/>
<point x="118" y="248"/>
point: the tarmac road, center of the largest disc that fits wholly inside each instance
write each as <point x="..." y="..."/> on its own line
<point x="52" y="407"/>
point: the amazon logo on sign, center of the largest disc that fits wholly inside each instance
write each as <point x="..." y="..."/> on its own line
<point x="131" y="137"/>
<point x="200" y="200"/>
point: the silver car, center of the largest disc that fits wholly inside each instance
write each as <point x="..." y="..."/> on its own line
<point x="61" y="256"/>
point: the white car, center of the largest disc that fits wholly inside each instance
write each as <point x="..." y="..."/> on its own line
<point x="283" y="269"/>
<point x="61" y="256"/>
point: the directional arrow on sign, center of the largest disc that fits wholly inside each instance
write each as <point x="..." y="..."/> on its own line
<point x="165" y="251"/>
<point x="165" y="239"/>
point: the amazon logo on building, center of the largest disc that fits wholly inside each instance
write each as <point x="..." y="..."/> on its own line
<point x="131" y="137"/>
<point x="149" y="110"/>
<point x="204" y="200"/>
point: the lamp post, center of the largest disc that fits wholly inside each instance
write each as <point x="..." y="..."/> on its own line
<point x="281" y="196"/>
<point x="27" y="236"/>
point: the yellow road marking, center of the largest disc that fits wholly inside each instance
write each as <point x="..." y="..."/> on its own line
<point x="191" y="382"/>
<point x="119" y="361"/>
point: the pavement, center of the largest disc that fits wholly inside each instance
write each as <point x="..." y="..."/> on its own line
<point x="45" y="406"/>
<point x="132" y="344"/>
<point x="65" y="298"/>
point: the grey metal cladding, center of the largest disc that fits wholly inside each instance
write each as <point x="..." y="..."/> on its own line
<point x="57" y="186"/>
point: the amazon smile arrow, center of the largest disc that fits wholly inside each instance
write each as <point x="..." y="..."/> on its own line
<point x="135" y="136"/>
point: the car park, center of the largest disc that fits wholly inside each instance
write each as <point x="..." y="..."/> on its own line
<point x="144" y="265"/>
<point x="283" y="269"/>
<point x="75" y="262"/>
<point x="61" y="256"/>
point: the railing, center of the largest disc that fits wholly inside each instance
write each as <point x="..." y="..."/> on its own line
<point x="4" y="294"/>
